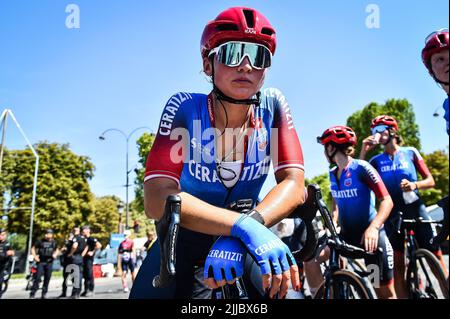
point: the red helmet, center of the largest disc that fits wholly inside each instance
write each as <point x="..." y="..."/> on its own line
<point x="339" y="135"/>
<point x="435" y="42"/>
<point x="238" y="24"/>
<point x="384" y="120"/>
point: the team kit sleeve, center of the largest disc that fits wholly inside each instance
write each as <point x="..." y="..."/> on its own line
<point x="371" y="177"/>
<point x="286" y="150"/>
<point x="419" y="163"/>
<point x="166" y="158"/>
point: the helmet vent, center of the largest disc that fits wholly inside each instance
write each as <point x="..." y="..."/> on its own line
<point x="442" y="39"/>
<point x="249" y="18"/>
<point x="227" y="27"/>
<point x="267" y="31"/>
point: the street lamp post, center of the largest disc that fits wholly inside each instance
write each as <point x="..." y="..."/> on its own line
<point x="127" y="138"/>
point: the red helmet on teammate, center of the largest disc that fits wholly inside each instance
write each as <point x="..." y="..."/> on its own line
<point x="238" y="24"/>
<point x="339" y="135"/>
<point x="384" y="120"/>
<point x="434" y="43"/>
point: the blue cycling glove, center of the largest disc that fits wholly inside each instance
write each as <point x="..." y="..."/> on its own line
<point x="271" y="254"/>
<point x="226" y="254"/>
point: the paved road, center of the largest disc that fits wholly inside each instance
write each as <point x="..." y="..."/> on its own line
<point x="105" y="288"/>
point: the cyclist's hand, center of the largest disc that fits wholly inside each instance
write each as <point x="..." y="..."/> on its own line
<point x="10" y="253"/>
<point x="278" y="266"/>
<point x="407" y="186"/>
<point x="369" y="143"/>
<point x="226" y="257"/>
<point x="370" y="239"/>
<point x="37" y="259"/>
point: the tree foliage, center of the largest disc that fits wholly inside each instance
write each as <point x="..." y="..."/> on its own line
<point x="401" y="110"/>
<point x="63" y="198"/>
<point x="145" y="143"/>
<point x="105" y="218"/>
<point x="438" y="164"/>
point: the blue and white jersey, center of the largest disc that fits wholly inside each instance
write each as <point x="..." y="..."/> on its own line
<point x="185" y="151"/>
<point x="445" y="107"/>
<point x="353" y="194"/>
<point x="404" y="164"/>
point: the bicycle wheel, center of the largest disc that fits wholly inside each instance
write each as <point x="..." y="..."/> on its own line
<point x="345" y="285"/>
<point x="425" y="277"/>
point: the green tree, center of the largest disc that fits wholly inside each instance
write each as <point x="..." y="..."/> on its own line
<point x="63" y="194"/>
<point x="438" y="164"/>
<point x="144" y="143"/>
<point x="401" y="110"/>
<point x="324" y="183"/>
<point x="105" y="218"/>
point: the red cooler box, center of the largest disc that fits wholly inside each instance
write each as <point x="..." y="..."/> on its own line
<point x="97" y="271"/>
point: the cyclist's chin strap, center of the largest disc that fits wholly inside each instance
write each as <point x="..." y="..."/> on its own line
<point x="222" y="96"/>
<point x="439" y="81"/>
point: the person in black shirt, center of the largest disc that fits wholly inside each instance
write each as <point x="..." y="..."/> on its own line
<point x="75" y="261"/>
<point x="92" y="245"/>
<point x="65" y="260"/>
<point x="6" y="253"/>
<point x="44" y="252"/>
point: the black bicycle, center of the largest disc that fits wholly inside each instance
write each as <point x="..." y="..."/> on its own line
<point x="424" y="275"/>
<point x="167" y="229"/>
<point x="342" y="283"/>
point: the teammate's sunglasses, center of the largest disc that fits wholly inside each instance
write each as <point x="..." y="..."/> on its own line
<point x="379" y="129"/>
<point x="432" y="34"/>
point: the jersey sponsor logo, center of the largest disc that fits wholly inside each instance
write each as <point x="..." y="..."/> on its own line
<point x="262" y="139"/>
<point x="268" y="246"/>
<point x="275" y="93"/>
<point x="345" y="193"/>
<point x="394" y="167"/>
<point x="223" y="254"/>
<point x="348" y="182"/>
<point x="249" y="173"/>
<point x="172" y="106"/>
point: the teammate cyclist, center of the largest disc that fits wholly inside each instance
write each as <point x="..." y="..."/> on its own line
<point x="398" y="167"/>
<point x="353" y="183"/>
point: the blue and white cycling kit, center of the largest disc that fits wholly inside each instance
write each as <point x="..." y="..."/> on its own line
<point x="446" y="113"/>
<point x="354" y="198"/>
<point x="354" y="193"/>
<point x="184" y="151"/>
<point x="404" y="164"/>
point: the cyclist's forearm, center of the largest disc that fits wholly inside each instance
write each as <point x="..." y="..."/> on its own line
<point x="196" y="215"/>
<point x="283" y="198"/>
<point x="426" y="183"/>
<point x="384" y="211"/>
<point x="199" y="216"/>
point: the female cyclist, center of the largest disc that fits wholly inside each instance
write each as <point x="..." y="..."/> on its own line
<point x="398" y="167"/>
<point x="214" y="151"/>
<point x="352" y="184"/>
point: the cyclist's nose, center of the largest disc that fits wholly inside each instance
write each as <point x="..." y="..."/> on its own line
<point x="245" y="65"/>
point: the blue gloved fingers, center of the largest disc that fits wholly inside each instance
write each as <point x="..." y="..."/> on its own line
<point x="266" y="269"/>
<point x="275" y="265"/>
<point x="229" y="275"/>
<point x="291" y="259"/>
<point x="285" y="262"/>
<point x="218" y="273"/>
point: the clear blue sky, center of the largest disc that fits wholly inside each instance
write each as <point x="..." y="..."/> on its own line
<point x="128" y="57"/>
